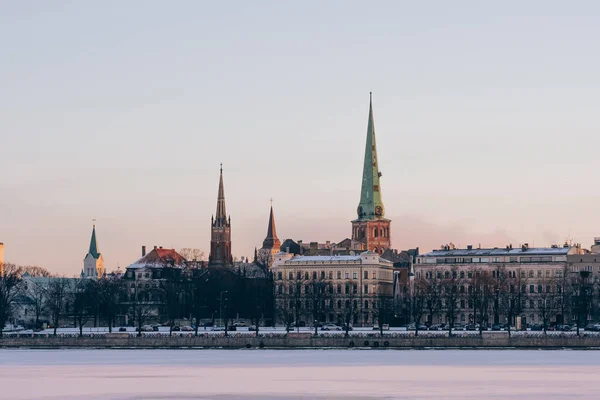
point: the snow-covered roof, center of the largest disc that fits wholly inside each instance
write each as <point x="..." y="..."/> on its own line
<point x="500" y="252"/>
<point x="159" y="258"/>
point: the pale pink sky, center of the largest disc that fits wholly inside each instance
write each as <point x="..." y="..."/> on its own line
<point x="486" y="121"/>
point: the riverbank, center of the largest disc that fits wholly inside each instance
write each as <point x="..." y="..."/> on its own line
<point x="486" y="341"/>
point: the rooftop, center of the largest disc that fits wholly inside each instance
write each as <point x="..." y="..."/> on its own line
<point x="520" y="251"/>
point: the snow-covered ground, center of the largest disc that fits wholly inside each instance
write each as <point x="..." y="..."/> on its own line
<point x="298" y="374"/>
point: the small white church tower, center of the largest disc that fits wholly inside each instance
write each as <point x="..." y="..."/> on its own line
<point x="93" y="263"/>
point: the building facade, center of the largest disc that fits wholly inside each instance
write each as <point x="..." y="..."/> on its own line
<point x="532" y="285"/>
<point x="332" y="289"/>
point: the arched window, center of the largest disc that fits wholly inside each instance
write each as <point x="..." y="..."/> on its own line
<point x="381" y="232"/>
<point x="339" y="304"/>
<point x="375" y="232"/>
<point x="366" y="304"/>
<point x="347" y="303"/>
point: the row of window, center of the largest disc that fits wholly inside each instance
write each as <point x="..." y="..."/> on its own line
<point x="496" y="274"/>
<point x="328" y="304"/>
<point x="308" y="289"/>
<point x="315" y="275"/>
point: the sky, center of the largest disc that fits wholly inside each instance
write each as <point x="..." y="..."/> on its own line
<point x="486" y="117"/>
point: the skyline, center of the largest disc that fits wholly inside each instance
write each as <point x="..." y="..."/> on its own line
<point x="485" y="124"/>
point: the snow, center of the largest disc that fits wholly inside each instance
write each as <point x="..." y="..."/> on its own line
<point x="297" y="374"/>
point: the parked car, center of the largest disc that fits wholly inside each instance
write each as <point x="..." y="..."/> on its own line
<point x="240" y="324"/>
<point x="536" y="327"/>
<point x="122" y="329"/>
<point x="218" y="328"/>
<point x="384" y="327"/>
<point x="331" y="327"/>
<point x="155" y="328"/>
<point x="472" y="327"/>
<point x="346" y="326"/>
<point x="498" y="327"/>
<point x="435" y="327"/>
<point x="176" y="328"/>
<point x="146" y="328"/>
<point x="252" y="328"/>
<point x="187" y="328"/>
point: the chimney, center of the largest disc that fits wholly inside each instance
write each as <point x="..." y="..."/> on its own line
<point x="469" y="247"/>
<point x="160" y="247"/>
<point x="143" y="251"/>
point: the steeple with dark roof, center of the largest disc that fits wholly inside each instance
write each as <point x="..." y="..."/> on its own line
<point x="220" y="241"/>
<point x="93" y="263"/>
<point x="272" y="241"/>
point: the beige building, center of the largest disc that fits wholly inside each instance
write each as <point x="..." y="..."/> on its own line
<point x="541" y="271"/>
<point x="352" y="289"/>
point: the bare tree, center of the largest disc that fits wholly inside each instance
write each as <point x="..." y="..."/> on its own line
<point x="451" y="295"/>
<point x="84" y="301"/>
<point x="316" y="293"/>
<point x="546" y="298"/>
<point x="382" y="309"/>
<point x="418" y="302"/>
<point x="192" y="254"/>
<point x="286" y="307"/>
<point x="350" y="307"/>
<point x="170" y="289"/>
<point x="432" y="293"/>
<point x="58" y="292"/>
<point x="9" y="290"/>
<point x="512" y="296"/>
<point x="111" y="295"/>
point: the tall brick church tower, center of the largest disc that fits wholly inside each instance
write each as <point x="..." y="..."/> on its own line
<point x="220" y="238"/>
<point x="371" y="228"/>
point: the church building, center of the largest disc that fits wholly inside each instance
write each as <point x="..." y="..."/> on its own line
<point x="220" y="238"/>
<point x="93" y="263"/>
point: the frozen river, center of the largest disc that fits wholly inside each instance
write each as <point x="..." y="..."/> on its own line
<point x="298" y="374"/>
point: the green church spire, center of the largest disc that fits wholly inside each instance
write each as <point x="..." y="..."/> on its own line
<point x="94" y="244"/>
<point x="371" y="205"/>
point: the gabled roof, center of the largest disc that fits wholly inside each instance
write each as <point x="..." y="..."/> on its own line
<point x="160" y="258"/>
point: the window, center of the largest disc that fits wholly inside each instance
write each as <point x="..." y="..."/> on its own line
<point x="314" y="274"/>
<point x="306" y="276"/>
<point x="347" y="304"/>
<point x="374" y="276"/>
<point x="355" y="289"/>
<point x="339" y="289"/>
<point x="299" y="275"/>
<point x="322" y="274"/>
<point x="291" y="276"/>
<point x="339" y="304"/>
<point x="446" y="274"/>
<point x="539" y="273"/>
<point x="531" y="274"/>
<point x="548" y="289"/>
<point x="531" y="304"/>
<point x="339" y="274"/>
<point x="279" y="275"/>
<point x="531" y="289"/>
<point x="462" y="274"/>
<point x="366" y="304"/>
<point x="291" y="289"/>
<point x="366" y="275"/>
<point x="547" y="273"/>
<point x="330" y="274"/>
<point x="347" y="275"/>
<point x="347" y="289"/>
<point x="462" y="304"/>
<point x="539" y="289"/>
<point x="146" y="275"/>
<point x="366" y="289"/>
<point x="280" y="289"/>
<point x="354" y="275"/>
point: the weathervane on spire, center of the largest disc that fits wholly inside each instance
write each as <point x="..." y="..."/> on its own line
<point x="271" y="200"/>
<point x="221" y="167"/>
<point x="94" y="222"/>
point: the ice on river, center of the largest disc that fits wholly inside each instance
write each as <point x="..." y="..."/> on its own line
<point x="298" y="374"/>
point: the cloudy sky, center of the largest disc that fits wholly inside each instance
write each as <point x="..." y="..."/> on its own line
<point x="486" y="118"/>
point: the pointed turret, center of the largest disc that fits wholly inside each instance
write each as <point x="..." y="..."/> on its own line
<point x="371" y="205"/>
<point x="220" y="243"/>
<point x="94" y="244"/>
<point x="371" y="230"/>
<point x="93" y="263"/>
<point x="221" y="215"/>
<point x="272" y="241"/>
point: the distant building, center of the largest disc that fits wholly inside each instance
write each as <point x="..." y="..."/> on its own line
<point x="93" y="263"/>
